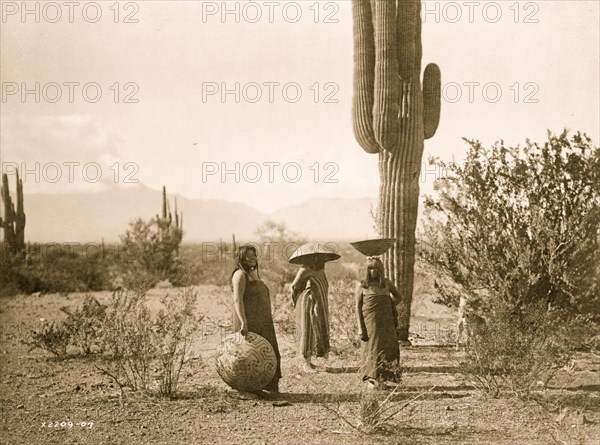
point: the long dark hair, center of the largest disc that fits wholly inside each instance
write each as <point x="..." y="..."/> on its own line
<point x="240" y="263"/>
<point x="374" y="262"/>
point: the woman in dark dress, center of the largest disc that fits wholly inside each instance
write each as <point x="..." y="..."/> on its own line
<point x="376" y="300"/>
<point x="252" y="305"/>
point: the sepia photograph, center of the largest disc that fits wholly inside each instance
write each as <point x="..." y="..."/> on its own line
<point x="271" y="222"/>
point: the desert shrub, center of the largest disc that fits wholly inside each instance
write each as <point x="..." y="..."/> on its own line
<point x="522" y="223"/>
<point x="208" y="263"/>
<point x="9" y="278"/>
<point x="53" y="337"/>
<point x="373" y="407"/>
<point x="275" y="244"/>
<point x="85" y="325"/>
<point x="175" y="327"/>
<point x="14" y="279"/>
<point x="149" y="250"/>
<point x="342" y="316"/>
<point x="58" y="269"/>
<point x="516" y="349"/>
<point x="139" y="341"/>
<point x="82" y="328"/>
<point x="128" y="337"/>
<point x="517" y="228"/>
<point x="65" y="270"/>
<point x="377" y="408"/>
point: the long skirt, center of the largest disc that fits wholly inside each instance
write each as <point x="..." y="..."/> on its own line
<point x="381" y="353"/>
<point x="257" y="305"/>
<point x="312" y="319"/>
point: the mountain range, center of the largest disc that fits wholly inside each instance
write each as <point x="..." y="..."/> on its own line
<point x="92" y="217"/>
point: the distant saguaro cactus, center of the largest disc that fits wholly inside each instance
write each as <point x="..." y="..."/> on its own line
<point x="13" y="222"/>
<point x="166" y="221"/>
<point x="392" y="115"/>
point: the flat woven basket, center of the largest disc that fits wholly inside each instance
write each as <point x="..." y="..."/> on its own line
<point x="374" y="247"/>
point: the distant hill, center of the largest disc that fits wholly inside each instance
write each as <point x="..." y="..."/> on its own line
<point x="88" y="217"/>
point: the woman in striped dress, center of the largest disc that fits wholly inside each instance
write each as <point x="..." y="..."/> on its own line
<point x="310" y="291"/>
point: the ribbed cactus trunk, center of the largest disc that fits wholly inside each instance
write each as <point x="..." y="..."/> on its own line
<point x="392" y="116"/>
<point x="13" y="222"/>
<point x="398" y="205"/>
<point x="7" y="221"/>
<point x="20" y="219"/>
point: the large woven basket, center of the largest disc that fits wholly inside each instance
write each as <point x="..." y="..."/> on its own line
<point x="374" y="247"/>
<point x="246" y="363"/>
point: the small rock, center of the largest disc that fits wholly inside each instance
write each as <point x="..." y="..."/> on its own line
<point x="20" y="406"/>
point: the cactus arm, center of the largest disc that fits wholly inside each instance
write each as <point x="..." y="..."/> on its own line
<point x="387" y="85"/>
<point x="364" y="66"/>
<point x="432" y="81"/>
<point x="164" y="202"/>
<point x="409" y="40"/>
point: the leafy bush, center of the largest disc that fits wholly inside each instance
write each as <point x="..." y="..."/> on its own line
<point x="522" y="223"/>
<point x="150" y="250"/>
<point x="128" y="337"/>
<point x="175" y="327"/>
<point x="517" y="229"/>
<point x="52" y="337"/>
<point x="515" y="350"/>
<point x="82" y="328"/>
<point x="138" y="340"/>
<point x="85" y="325"/>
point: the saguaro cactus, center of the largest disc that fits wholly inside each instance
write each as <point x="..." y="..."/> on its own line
<point x="168" y="225"/>
<point x="392" y="115"/>
<point x="13" y="222"/>
<point x="20" y="218"/>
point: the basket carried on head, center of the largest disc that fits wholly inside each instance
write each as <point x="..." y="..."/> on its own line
<point x="311" y="252"/>
<point x="374" y="247"/>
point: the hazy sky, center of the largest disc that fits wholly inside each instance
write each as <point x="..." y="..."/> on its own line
<point x="141" y="99"/>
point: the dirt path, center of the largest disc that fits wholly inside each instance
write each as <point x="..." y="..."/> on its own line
<point x="38" y="394"/>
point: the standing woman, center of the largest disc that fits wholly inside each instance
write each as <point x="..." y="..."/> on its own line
<point x="376" y="300"/>
<point x="252" y="305"/>
<point x="310" y="291"/>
